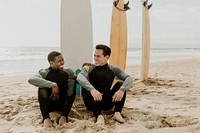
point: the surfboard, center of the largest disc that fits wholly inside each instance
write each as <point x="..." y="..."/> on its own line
<point x="76" y="33"/>
<point x="118" y="34"/>
<point x="145" y="40"/>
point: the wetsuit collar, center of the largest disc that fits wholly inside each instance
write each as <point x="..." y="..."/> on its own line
<point x="54" y="70"/>
<point x="100" y="67"/>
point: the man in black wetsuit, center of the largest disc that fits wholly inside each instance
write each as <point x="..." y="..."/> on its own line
<point x="97" y="79"/>
<point x="56" y="89"/>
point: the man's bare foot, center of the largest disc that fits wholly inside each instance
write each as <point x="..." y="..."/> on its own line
<point x="118" y="117"/>
<point x="62" y="120"/>
<point x="47" y="123"/>
<point x="100" y="120"/>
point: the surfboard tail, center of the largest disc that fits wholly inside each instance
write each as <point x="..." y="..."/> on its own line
<point x="149" y="6"/>
<point x="76" y="32"/>
<point x="145" y="4"/>
<point x="125" y="8"/>
<point x="118" y="35"/>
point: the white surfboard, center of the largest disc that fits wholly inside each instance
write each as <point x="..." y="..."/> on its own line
<point x="145" y="40"/>
<point x="76" y="32"/>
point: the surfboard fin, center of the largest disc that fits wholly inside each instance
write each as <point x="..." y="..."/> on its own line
<point x="144" y="3"/>
<point x="126" y="7"/>
<point x="115" y="2"/>
<point x="149" y="6"/>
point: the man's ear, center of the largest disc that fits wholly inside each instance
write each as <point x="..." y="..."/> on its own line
<point x="107" y="56"/>
<point x="50" y="62"/>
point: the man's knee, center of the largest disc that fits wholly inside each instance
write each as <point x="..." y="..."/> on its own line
<point x="85" y="93"/>
<point x="71" y="87"/>
<point x="43" y="93"/>
<point x="118" y="84"/>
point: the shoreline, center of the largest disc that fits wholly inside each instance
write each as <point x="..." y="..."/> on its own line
<point x="13" y="77"/>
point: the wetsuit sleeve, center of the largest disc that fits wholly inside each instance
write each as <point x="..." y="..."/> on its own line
<point x="82" y="78"/>
<point x="70" y="73"/>
<point x="39" y="80"/>
<point x="128" y="81"/>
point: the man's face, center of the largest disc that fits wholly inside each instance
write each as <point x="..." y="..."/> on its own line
<point x="58" y="63"/>
<point x="99" y="58"/>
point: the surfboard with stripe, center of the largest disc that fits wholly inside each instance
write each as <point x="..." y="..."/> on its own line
<point x="76" y="32"/>
<point x="145" y="40"/>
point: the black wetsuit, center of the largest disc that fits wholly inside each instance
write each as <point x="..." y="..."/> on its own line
<point x="66" y="92"/>
<point x="101" y="77"/>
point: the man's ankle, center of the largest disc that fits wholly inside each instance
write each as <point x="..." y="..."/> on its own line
<point x="118" y="117"/>
<point x="100" y="120"/>
<point x="47" y="123"/>
<point x="62" y="120"/>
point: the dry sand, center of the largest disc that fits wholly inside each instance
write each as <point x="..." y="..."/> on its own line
<point x="168" y="102"/>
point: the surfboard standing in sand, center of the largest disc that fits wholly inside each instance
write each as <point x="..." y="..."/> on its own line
<point x="76" y="32"/>
<point x="145" y="39"/>
<point x="118" y="35"/>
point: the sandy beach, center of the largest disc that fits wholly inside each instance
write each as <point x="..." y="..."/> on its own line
<point x="169" y="101"/>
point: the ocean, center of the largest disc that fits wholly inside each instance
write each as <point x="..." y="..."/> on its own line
<point x="28" y="60"/>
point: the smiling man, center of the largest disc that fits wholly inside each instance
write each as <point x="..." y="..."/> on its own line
<point x="56" y="89"/>
<point x="97" y="79"/>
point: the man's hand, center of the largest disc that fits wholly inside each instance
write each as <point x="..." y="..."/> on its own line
<point x="96" y="95"/>
<point x="118" y="96"/>
<point x="55" y="92"/>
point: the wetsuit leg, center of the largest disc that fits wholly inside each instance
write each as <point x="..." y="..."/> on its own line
<point x="44" y="101"/>
<point x="118" y="105"/>
<point x="94" y="106"/>
<point x="69" y="98"/>
<point x="87" y="97"/>
<point x="107" y="103"/>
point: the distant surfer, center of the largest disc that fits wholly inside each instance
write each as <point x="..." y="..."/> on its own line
<point x="56" y="89"/>
<point x="96" y="81"/>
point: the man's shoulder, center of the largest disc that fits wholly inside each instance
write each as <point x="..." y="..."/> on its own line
<point x="113" y="67"/>
<point x="89" y="67"/>
<point x="68" y="70"/>
<point x="44" y="72"/>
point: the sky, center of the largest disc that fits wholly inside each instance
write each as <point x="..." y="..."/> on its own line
<point x="173" y="24"/>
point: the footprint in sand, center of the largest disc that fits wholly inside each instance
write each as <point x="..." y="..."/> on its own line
<point x="153" y="120"/>
<point x="5" y="112"/>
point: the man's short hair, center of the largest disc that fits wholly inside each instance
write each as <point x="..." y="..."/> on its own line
<point x="52" y="55"/>
<point x="106" y="49"/>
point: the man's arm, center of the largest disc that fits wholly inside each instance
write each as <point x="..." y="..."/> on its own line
<point x="127" y="84"/>
<point x="39" y="80"/>
<point x="128" y="81"/>
<point x="82" y="80"/>
<point x="71" y="73"/>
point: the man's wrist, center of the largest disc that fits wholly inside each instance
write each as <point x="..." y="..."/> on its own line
<point x="122" y="89"/>
<point x="92" y="89"/>
<point x="53" y="85"/>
